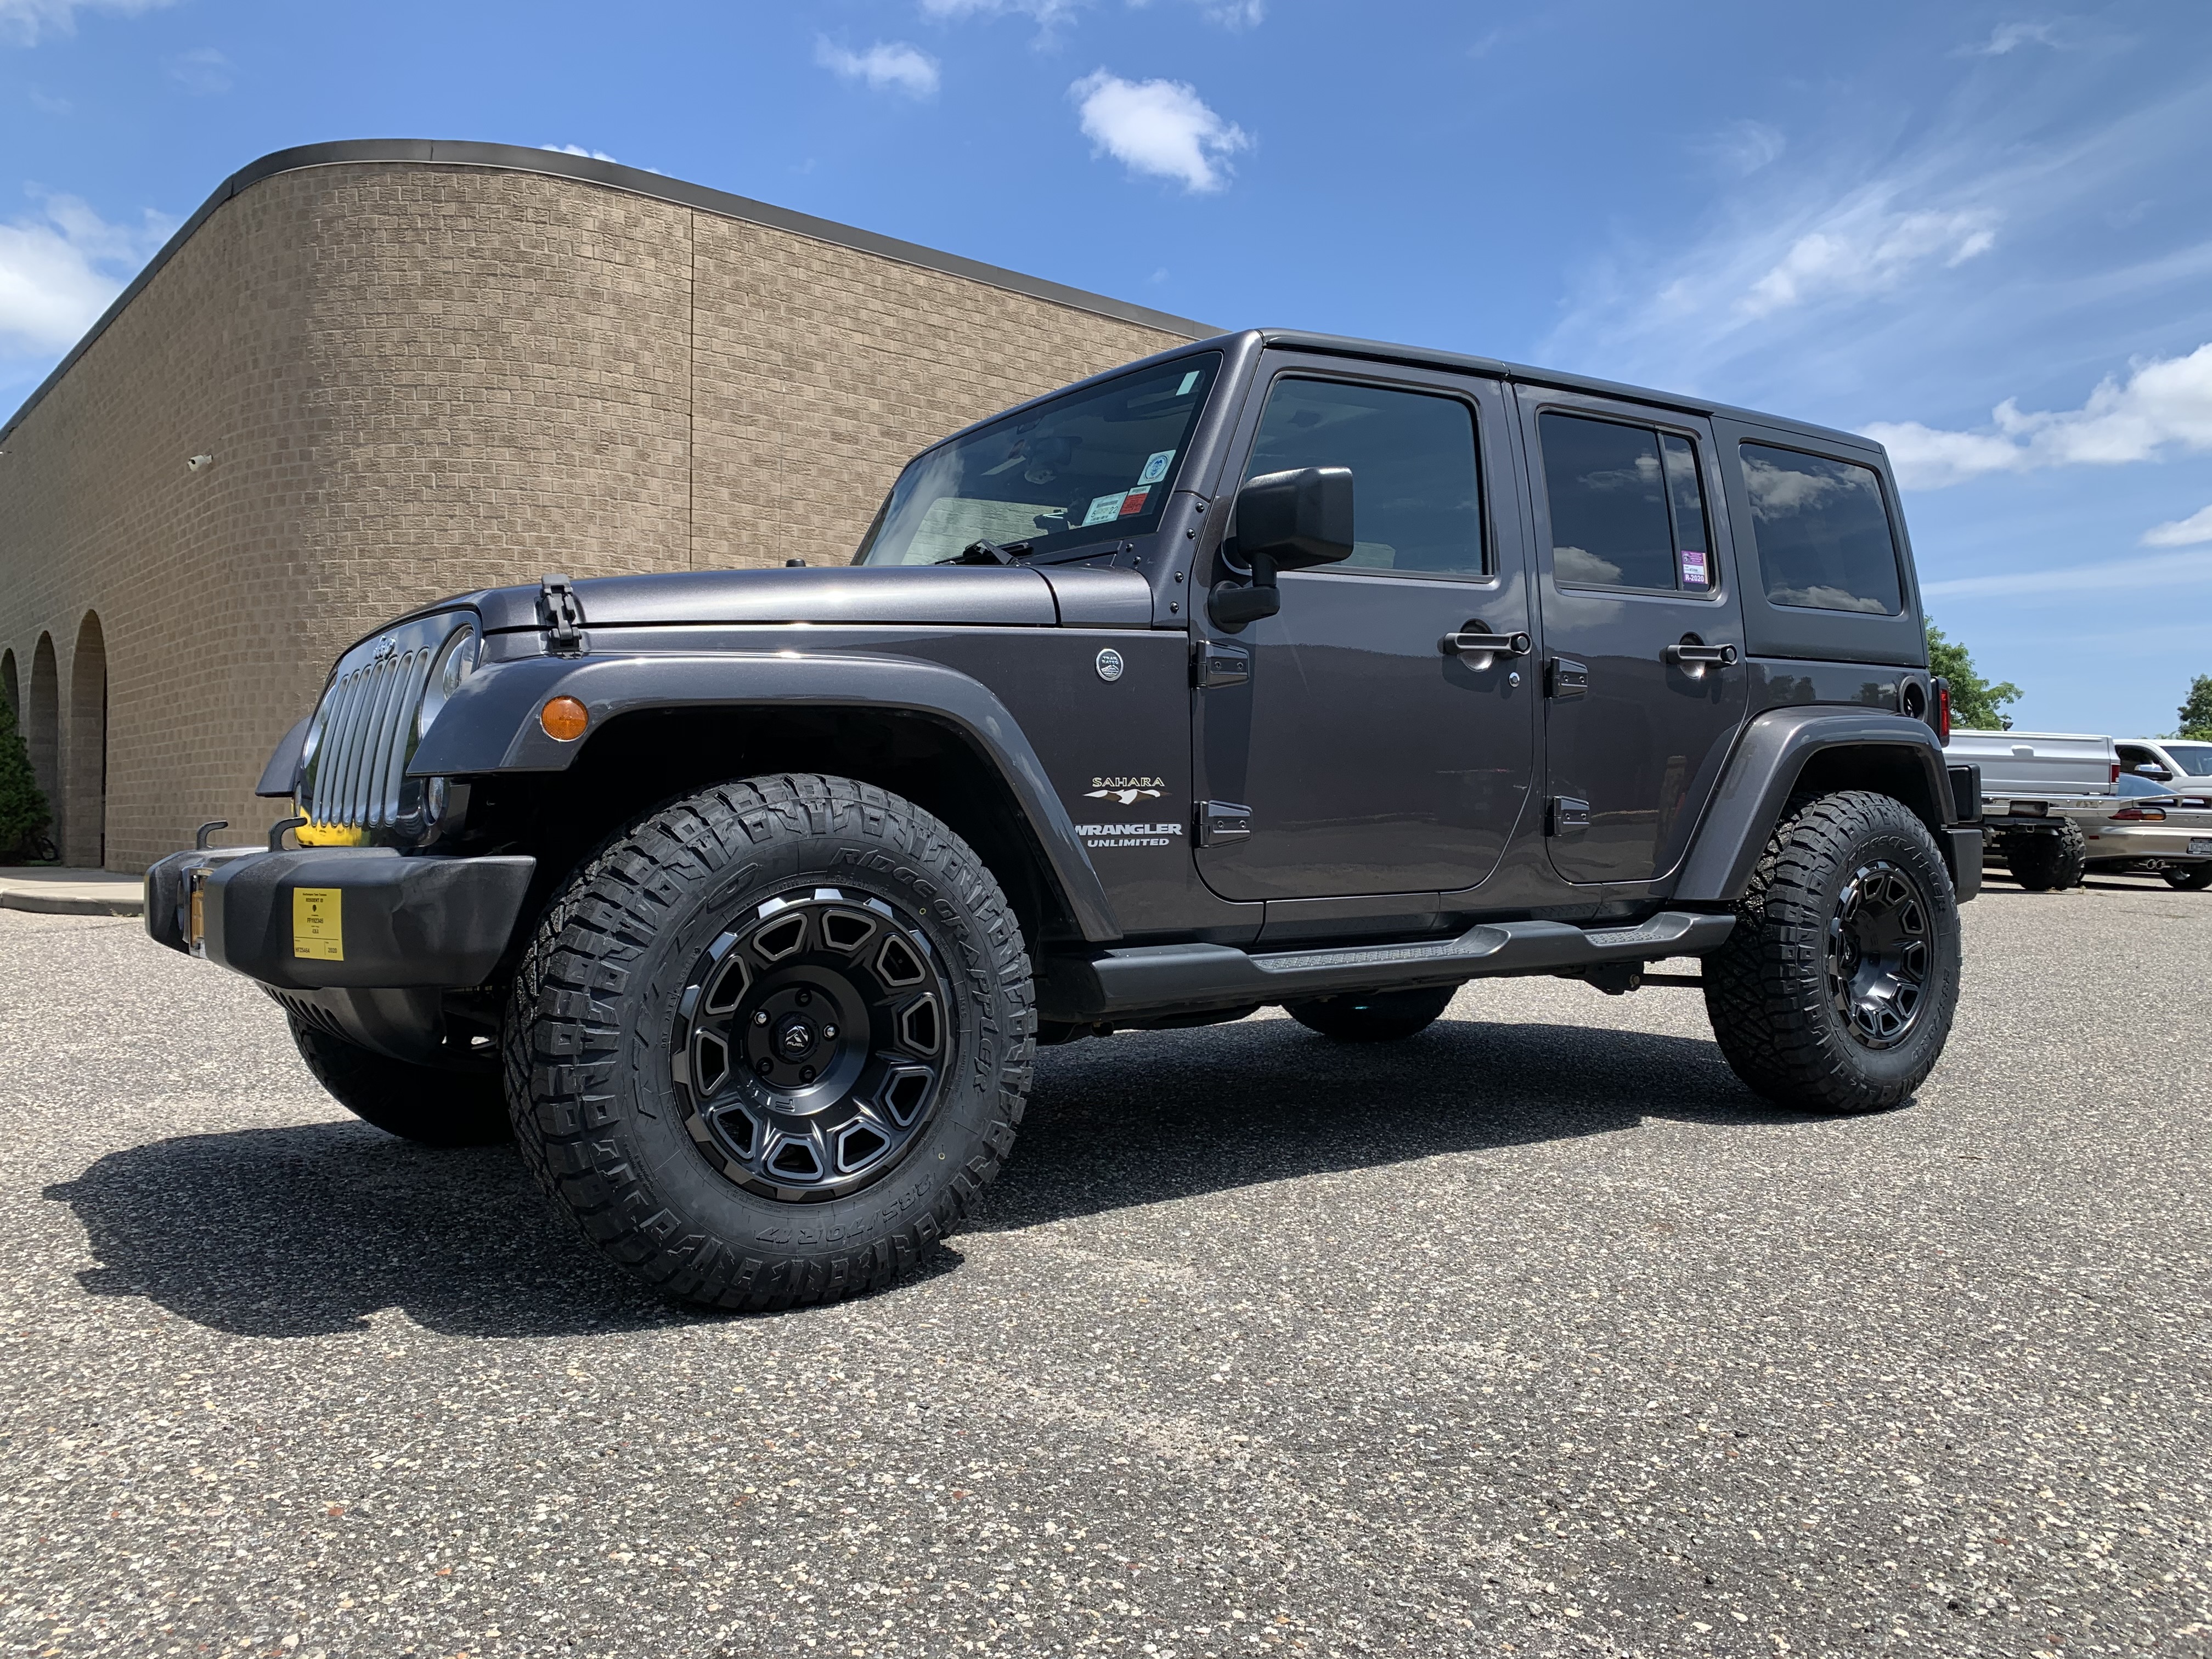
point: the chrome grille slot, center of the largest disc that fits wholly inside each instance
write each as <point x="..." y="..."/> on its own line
<point x="366" y="729"/>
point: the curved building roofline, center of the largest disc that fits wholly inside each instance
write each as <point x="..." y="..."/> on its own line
<point x="585" y="169"/>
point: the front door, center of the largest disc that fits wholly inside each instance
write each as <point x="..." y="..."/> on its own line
<point x="1645" y="688"/>
<point x="1374" y="757"/>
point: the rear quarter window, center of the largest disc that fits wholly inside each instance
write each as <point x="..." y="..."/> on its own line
<point x="1822" y="533"/>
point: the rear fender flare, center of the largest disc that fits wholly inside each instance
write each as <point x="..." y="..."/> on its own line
<point x="1771" y="757"/>
<point x="490" y="725"/>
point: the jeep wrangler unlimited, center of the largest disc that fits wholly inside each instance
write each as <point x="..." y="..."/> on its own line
<point x="1277" y="669"/>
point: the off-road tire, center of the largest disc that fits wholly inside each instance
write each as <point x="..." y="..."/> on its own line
<point x="1767" y="989"/>
<point x="1376" y="1016"/>
<point x="427" y="1104"/>
<point x="599" y="1119"/>
<point x="2045" y="864"/>
<point x="2188" y="878"/>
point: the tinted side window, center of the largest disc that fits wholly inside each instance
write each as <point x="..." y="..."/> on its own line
<point x="1417" y="503"/>
<point x="1822" y="533"/>
<point x="1628" y="510"/>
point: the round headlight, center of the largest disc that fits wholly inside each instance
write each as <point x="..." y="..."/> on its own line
<point x="456" y="661"/>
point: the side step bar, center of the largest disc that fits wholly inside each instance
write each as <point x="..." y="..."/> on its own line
<point x="1174" y="978"/>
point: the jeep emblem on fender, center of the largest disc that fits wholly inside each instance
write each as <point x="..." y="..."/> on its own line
<point x="1109" y="664"/>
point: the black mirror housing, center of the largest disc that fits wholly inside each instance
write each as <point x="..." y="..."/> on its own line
<point x="1296" y="519"/>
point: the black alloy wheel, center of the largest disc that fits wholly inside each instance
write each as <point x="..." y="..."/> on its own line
<point x="809" y="1043"/>
<point x="1878" y="954"/>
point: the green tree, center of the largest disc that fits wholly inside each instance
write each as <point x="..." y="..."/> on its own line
<point x="1975" y="703"/>
<point x="2196" y="713"/>
<point x="23" y="812"/>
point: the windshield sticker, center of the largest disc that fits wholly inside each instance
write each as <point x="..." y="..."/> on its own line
<point x="1693" y="568"/>
<point x="1104" y="509"/>
<point x="1156" y="467"/>
<point x="1134" y="502"/>
<point x="1188" y="381"/>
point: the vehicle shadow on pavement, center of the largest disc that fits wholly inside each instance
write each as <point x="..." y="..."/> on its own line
<point x="307" y="1231"/>
<point x="1127" y="1121"/>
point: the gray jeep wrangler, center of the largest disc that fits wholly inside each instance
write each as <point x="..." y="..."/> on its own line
<point x="1275" y="670"/>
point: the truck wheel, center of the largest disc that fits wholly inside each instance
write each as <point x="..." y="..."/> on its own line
<point x="2188" y="878"/>
<point x="1836" y="990"/>
<point x="771" y="1042"/>
<point x="1378" y="1016"/>
<point x="2044" y="864"/>
<point x="425" y="1104"/>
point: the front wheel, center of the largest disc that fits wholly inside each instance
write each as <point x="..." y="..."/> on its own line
<point x="771" y="1042"/>
<point x="1835" y="991"/>
<point x="1377" y="1017"/>
<point x="427" y="1104"/>
<point x="2188" y="878"/>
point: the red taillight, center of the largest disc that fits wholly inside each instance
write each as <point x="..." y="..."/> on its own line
<point x="1943" y="714"/>
<point x="2115" y="778"/>
<point x="2133" y="814"/>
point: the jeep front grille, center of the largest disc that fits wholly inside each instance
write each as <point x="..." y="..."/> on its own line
<point x="353" y="772"/>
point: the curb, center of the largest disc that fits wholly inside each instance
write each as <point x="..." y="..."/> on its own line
<point x="71" y="904"/>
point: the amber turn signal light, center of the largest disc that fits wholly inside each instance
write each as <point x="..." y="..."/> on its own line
<point x="564" y="719"/>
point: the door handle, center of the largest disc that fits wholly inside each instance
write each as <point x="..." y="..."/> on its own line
<point x="1694" y="656"/>
<point x="1484" y="646"/>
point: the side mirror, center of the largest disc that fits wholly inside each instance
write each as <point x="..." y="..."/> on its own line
<point x="1284" y="521"/>
<point x="2152" y="771"/>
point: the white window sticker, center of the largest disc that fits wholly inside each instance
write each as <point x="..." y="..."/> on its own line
<point x="1104" y="509"/>
<point x="1693" y="568"/>
<point x="1188" y="381"/>
<point x="1156" y="467"/>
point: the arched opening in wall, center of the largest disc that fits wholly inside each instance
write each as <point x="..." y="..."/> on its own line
<point x="10" y="687"/>
<point x="42" y="713"/>
<point x="84" y="824"/>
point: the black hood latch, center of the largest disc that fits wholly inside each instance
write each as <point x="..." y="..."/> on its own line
<point x="562" y="616"/>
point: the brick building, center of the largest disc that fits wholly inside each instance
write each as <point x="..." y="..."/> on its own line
<point x="365" y="375"/>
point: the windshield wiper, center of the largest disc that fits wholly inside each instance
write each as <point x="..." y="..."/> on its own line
<point x="980" y="552"/>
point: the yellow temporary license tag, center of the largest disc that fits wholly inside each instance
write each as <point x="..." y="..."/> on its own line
<point x="317" y="931"/>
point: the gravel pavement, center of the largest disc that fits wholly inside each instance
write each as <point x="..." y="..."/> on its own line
<point x="1536" y="1333"/>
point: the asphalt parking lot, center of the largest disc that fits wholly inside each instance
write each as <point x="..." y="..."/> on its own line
<point x="1536" y="1334"/>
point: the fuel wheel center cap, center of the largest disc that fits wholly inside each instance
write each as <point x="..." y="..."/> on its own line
<point x="811" y="1044"/>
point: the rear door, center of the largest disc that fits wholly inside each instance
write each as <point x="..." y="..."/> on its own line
<point x="1643" y="682"/>
<point x="1362" y="750"/>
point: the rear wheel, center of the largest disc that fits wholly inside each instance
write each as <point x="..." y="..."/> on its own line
<point x="2044" y="864"/>
<point x="1836" y="989"/>
<point x="2188" y="878"/>
<point x="1377" y="1016"/>
<point x="771" y="1042"/>
<point x="425" y="1104"/>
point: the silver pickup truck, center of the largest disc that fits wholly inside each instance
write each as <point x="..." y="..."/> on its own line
<point x="2033" y="783"/>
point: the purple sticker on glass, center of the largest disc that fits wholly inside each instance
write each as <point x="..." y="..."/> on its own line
<point x="1694" y="569"/>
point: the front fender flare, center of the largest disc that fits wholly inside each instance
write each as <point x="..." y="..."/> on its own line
<point x="490" y="725"/>
<point x="1770" y="757"/>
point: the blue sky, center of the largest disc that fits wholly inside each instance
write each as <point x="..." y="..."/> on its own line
<point x="1983" y="233"/>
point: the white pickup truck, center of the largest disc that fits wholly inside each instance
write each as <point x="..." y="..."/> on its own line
<point x="2030" y="781"/>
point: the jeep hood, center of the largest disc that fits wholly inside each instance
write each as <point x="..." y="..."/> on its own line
<point x="851" y="596"/>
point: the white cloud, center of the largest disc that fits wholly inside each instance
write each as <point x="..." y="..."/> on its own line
<point x="1744" y="147"/>
<point x="1159" y="127"/>
<point x="2157" y="570"/>
<point x="203" y="71"/>
<point x="1867" y="251"/>
<point x="2011" y="37"/>
<point x="886" y="66"/>
<point x="577" y="149"/>
<point x="1048" y="14"/>
<point x="23" y="22"/>
<point x="2163" y="403"/>
<point x="2181" y="532"/>
<point x="59" y="269"/>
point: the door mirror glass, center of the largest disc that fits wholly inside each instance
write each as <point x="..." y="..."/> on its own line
<point x="1296" y="519"/>
<point x="2158" y="772"/>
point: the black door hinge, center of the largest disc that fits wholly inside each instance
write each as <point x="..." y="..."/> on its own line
<point x="1565" y="677"/>
<point x="562" y="616"/>
<point x="1568" y="815"/>
<point x="1216" y="664"/>
<point x="1222" y="821"/>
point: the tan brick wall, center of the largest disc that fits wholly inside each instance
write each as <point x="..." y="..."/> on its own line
<point x="417" y="379"/>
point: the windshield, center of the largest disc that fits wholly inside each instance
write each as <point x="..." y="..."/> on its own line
<point x="1096" y="464"/>
<point x="2194" y="758"/>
